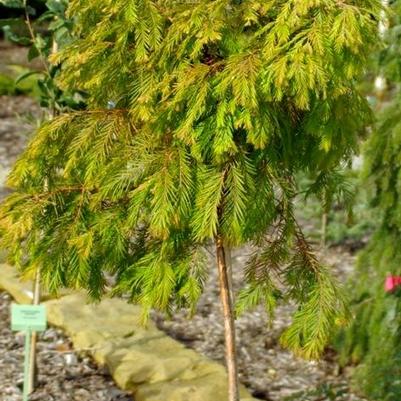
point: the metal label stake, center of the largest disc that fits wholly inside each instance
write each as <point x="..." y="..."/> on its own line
<point x="27" y="364"/>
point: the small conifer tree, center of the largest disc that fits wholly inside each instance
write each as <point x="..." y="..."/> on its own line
<point x="373" y="340"/>
<point x="199" y="117"/>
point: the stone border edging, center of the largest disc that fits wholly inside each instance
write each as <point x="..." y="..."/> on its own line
<point x="143" y="361"/>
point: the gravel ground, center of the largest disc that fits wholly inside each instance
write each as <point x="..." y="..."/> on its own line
<point x="17" y="116"/>
<point x="12" y="55"/>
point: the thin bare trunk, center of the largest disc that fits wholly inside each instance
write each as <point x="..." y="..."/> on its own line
<point x="229" y="259"/>
<point x="229" y="325"/>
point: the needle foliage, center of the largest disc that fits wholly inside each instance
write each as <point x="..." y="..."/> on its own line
<point x="215" y="107"/>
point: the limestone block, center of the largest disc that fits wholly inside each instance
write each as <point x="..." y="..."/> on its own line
<point x="147" y="359"/>
<point x="9" y="281"/>
<point x="89" y="324"/>
<point x="21" y="290"/>
<point x="207" y="388"/>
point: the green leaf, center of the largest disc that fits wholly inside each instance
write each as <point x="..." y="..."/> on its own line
<point x="26" y="75"/>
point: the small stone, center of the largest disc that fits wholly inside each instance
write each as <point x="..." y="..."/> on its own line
<point x="71" y="359"/>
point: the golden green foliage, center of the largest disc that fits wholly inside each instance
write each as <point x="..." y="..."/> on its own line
<point x="218" y="105"/>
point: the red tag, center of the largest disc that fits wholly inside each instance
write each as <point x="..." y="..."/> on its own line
<point x="391" y="283"/>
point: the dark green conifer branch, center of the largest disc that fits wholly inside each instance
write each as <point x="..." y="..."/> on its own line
<point x="372" y="341"/>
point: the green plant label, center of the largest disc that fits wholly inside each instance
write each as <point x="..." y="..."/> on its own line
<point x="28" y="317"/>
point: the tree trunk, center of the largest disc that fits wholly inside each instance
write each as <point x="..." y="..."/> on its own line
<point x="229" y="325"/>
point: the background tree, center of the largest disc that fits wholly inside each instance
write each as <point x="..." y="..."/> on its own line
<point x="198" y="119"/>
<point x="373" y="339"/>
<point x="43" y="27"/>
